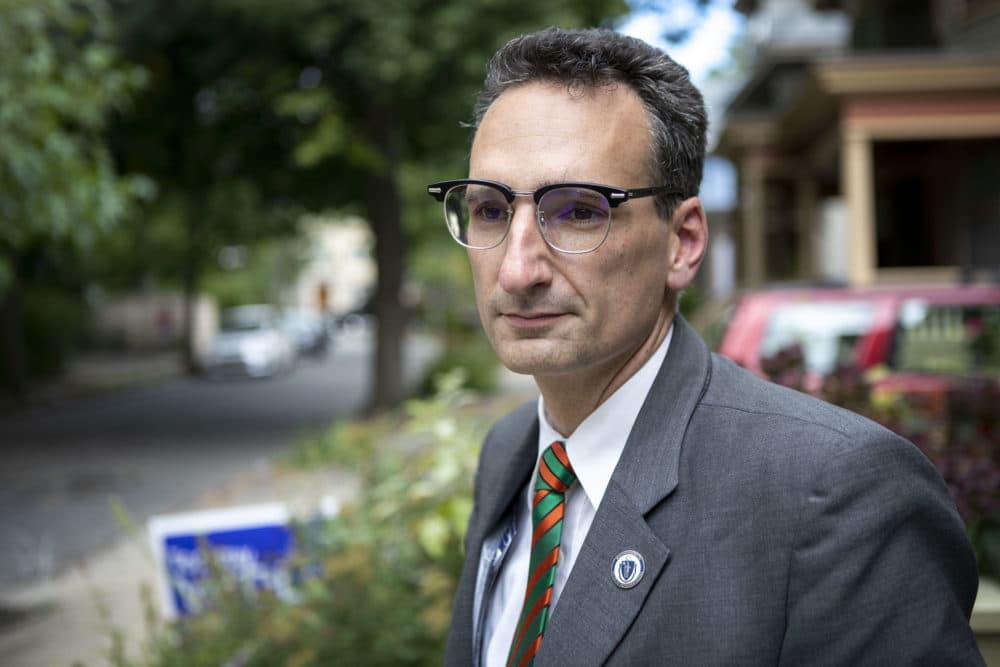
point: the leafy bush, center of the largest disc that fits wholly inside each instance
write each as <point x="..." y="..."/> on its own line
<point x="384" y="572"/>
<point x="958" y="430"/>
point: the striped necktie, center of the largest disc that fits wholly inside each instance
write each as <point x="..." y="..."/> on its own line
<point x="555" y="476"/>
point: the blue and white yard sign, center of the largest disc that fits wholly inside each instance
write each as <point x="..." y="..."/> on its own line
<point x="252" y="543"/>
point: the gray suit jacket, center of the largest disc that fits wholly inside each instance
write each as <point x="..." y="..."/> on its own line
<point x="775" y="529"/>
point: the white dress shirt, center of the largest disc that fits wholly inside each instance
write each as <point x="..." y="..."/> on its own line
<point x="593" y="449"/>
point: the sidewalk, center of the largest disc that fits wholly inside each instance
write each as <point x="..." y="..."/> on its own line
<point x="94" y="372"/>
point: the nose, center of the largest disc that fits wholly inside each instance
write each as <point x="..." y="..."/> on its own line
<point x="526" y="256"/>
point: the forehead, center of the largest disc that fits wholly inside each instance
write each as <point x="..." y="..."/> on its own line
<point x="546" y="132"/>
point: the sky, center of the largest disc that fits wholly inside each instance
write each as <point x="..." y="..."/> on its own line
<point x="706" y="49"/>
<point x="708" y="46"/>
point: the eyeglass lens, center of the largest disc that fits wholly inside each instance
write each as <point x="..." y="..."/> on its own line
<point x="572" y="219"/>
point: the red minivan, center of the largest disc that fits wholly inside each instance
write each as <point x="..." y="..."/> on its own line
<point x="926" y="338"/>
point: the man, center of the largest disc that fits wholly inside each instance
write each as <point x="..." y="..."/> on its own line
<point x="658" y="505"/>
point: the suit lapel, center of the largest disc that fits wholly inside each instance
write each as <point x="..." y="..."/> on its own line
<point x="507" y="460"/>
<point x="593" y="613"/>
<point x="649" y="464"/>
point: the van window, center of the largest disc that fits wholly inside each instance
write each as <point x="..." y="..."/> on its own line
<point x="953" y="339"/>
<point x="828" y="332"/>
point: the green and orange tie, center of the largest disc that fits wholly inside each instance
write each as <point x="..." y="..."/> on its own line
<point x="555" y="476"/>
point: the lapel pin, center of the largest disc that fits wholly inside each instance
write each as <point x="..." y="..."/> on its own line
<point x="628" y="568"/>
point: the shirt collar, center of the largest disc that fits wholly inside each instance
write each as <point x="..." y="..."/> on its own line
<point x="597" y="443"/>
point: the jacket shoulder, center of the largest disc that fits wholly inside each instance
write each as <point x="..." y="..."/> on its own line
<point x="737" y="391"/>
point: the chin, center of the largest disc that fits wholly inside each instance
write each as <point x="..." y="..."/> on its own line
<point x="524" y="368"/>
<point x="529" y="359"/>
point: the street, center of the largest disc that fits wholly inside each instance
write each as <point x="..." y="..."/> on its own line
<point x="153" y="449"/>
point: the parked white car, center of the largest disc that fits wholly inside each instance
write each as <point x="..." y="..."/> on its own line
<point x="250" y="342"/>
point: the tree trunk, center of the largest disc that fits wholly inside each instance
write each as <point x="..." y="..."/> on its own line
<point x="384" y="210"/>
<point x="191" y="283"/>
<point x="13" y="354"/>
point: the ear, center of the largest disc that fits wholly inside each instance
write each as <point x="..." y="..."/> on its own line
<point x="690" y="231"/>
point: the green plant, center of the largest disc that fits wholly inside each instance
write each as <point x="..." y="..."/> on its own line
<point x="346" y="443"/>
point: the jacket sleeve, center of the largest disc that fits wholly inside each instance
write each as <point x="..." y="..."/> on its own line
<point x="882" y="572"/>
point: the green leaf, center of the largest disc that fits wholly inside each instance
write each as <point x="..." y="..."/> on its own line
<point x="433" y="533"/>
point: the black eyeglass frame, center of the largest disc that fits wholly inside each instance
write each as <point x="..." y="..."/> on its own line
<point x="612" y="194"/>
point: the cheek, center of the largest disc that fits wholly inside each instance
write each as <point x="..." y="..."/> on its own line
<point x="481" y="287"/>
<point x="611" y="288"/>
<point x="637" y="281"/>
<point x="480" y="273"/>
<point x="639" y="271"/>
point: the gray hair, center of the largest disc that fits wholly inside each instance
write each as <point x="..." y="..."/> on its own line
<point x="598" y="57"/>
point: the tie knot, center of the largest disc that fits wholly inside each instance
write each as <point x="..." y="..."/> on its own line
<point x="554" y="470"/>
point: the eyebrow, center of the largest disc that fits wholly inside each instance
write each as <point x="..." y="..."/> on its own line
<point x="541" y="184"/>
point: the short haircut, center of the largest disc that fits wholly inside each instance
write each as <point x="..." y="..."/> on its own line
<point x="597" y="57"/>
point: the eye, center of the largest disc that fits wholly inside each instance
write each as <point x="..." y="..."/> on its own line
<point x="490" y="211"/>
<point x="580" y="207"/>
<point x="582" y="213"/>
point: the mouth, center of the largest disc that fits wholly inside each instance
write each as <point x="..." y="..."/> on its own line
<point x="531" y="320"/>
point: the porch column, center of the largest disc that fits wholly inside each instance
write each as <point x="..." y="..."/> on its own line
<point x="753" y="220"/>
<point x="858" y="180"/>
<point x="806" y="226"/>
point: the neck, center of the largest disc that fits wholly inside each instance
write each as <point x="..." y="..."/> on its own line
<point x="571" y="398"/>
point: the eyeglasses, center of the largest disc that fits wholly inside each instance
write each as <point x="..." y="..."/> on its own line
<point x="573" y="217"/>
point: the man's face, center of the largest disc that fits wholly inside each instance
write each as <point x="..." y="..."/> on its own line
<point x="548" y="313"/>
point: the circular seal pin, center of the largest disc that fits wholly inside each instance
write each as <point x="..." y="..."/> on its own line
<point x="628" y="568"/>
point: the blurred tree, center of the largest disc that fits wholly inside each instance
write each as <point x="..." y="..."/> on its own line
<point x="59" y="79"/>
<point x="317" y="102"/>
<point x="206" y="131"/>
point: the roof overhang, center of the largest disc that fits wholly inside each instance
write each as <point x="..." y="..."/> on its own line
<point x="908" y="73"/>
<point x="788" y="121"/>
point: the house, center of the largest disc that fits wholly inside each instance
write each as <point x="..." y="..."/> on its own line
<point x="868" y="150"/>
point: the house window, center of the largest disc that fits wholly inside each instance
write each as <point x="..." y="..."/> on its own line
<point x="937" y="204"/>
